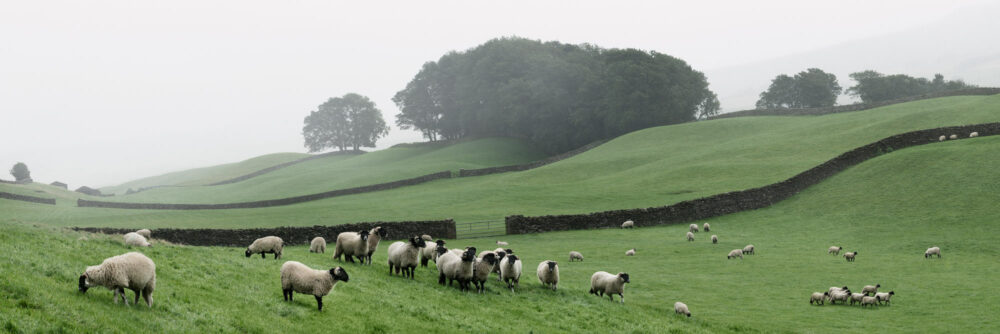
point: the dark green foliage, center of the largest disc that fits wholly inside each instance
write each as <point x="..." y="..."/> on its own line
<point x="558" y="95"/>
<point x="341" y="122"/>
<point x="809" y="89"/>
<point x="876" y="87"/>
<point x="20" y="172"/>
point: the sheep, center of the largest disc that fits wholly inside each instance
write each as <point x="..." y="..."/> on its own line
<point x="681" y="308"/>
<point x="501" y="243"/>
<point x="510" y="271"/>
<point x="132" y="271"/>
<point x="135" y="239"/>
<point x="868" y="300"/>
<point x="374" y="236"/>
<point x="630" y="252"/>
<point x="548" y="273"/>
<point x="501" y="253"/>
<point x="841" y="295"/>
<point x="427" y="237"/>
<point x="974" y="135"/>
<point x="870" y="288"/>
<point x="835" y="250"/>
<point x="942" y="138"/>
<point x="602" y="283"/>
<point x="269" y="244"/>
<point x="953" y="136"/>
<point x="429" y="253"/>
<point x="856" y="297"/>
<point x="456" y="268"/>
<point x="317" y="245"/>
<point x="297" y="277"/>
<point x="350" y="245"/>
<point x="850" y="256"/>
<point x="404" y="255"/>
<point x="749" y="249"/>
<point x="835" y="289"/>
<point x="145" y="233"/>
<point x="932" y="251"/>
<point x="884" y="296"/>
<point x="736" y="253"/>
<point x="690" y="236"/>
<point x="628" y="224"/>
<point x="715" y="239"/>
<point x="818" y="297"/>
<point x="693" y="228"/>
<point x="482" y="268"/>
<point x="574" y="255"/>
<point x="706" y="227"/>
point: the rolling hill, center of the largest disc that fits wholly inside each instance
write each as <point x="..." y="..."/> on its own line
<point x="206" y="175"/>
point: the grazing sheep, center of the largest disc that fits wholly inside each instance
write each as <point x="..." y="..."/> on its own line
<point x="351" y="245"/>
<point x="850" y="256"/>
<point x="604" y="283"/>
<point x="693" y="228"/>
<point x="269" y="244"/>
<point x="715" y="239"/>
<point x="374" y="236"/>
<point x="405" y="255"/>
<point x="835" y="289"/>
<point x="884" y="296"/>
<point x="630" y="252"/>
<point x="841" y="295"/>
<point x="706" y="227"/>
<point x="870" y="288"/>
<point x="574" y="255"/>
<point x="457" y="268"/>
<point x="818" y="297"/>
<point x="501" y="243"/>
<point x="749" y="249"/>
<point x="132" y="271"/>
<point x="835" y="250"/>
<point x="690" y="236"/>
<point x="953" y="136"/>
<point x="868" y="300"/>
<point x="297" y="277"/>
<point x="942" y="138"/>
<point x="681" y="308"/>
<point x="481" y="270"/>
<point x="429" y="253"/>
<point x="856" y="297"/>
<point x="510" y="271"/>
<point x="145" y="233"/>
<point x="736" y="253"/>
<point x="974" y="135"/>
<point x="135" y="239"/>
<point x="317" y="245"/>
<point x="426" y="237"/>
<point x="932" y="251"/>
<point x="628" y="224"/>
<point x="548" y="273"/>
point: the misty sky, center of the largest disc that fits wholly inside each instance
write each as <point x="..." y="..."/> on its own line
<point x="101" y="92"/>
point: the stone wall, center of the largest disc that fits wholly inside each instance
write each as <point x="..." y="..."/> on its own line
<point x="27" y="198"/>
<point x="530" y="165"/>
<point x="280" y="166"/>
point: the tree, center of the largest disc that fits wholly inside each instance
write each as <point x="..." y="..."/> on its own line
<point x="341" y="122"/>
<point x="808" y="89"/>
<point x="873" y="86"/>
<point x="20" y="172"/>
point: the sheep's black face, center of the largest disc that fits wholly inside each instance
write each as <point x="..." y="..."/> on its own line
<point x="248" y="252"/>
<point x="441" y="250"/>
<point x="552" y="265"/>
<point x="490" y="258"/>
<point x="339" y="274"/>
<point x="624" y="276"/>
<point x="83" y="284"/>
<point x="418" y="242"/>
<point x="381" y="231"/>
<point x="509" y="251"/>
<point x="364" y="235"/>
<point x="501" y="255"/>
<point x="469" y="255"/>
<point x="512" y="258"/>
<point x="440" y="242"/>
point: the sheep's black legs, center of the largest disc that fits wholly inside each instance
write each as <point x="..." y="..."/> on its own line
<point x="285" y="295"/>
<point x="147" y="295"/>
<point x="441" y="279"/>
<point x="263" y="256"/>
<point x="319" y="302"/>
<point x="423" y="261"/>
<point x="136" y="296"/>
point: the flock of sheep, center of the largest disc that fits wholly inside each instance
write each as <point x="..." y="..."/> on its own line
<point x="954" y="136"/>
<point x="843" y="295"/>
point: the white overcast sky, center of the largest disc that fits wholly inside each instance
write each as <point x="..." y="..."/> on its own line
<point x="101" y="92"/>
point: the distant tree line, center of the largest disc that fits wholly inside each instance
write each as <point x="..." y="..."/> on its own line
<point x="814" y="88"/>
<point x="351" y="121"/>
<point x="876" y="87"/>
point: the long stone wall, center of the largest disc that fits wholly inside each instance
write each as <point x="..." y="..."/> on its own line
<point x="744" y="200"/>
<point x="443" y="229"/>
<point x="530" y="165"/>
<point x="26" y="198"/>
<point x="283" y="165"/>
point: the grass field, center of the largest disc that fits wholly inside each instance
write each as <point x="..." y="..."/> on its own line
<point x="890" y="209"/>
<point x="207" y="175"/>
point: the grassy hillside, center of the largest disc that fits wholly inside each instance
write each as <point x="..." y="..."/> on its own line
<point x="207" y="175"/>
<point x="890" y="209"/>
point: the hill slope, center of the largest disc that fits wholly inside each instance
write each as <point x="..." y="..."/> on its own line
<point x="206" y="175"/>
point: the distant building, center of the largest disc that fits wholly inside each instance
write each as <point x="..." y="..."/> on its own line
<point x="60" y="185"/>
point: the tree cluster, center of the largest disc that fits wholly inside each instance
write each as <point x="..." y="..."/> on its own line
<point x="876" y="87"/>
<point x="811" y="88"/>
<point x="559" y="96"/>
<point x="351" y="121"/>
<point x="20" y="172"/>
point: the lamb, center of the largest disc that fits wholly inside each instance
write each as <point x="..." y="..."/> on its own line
<point x="706" y="227"/>
<point x="749" y="249"/>
<point x="135" y="239"/>
<point x="374" y="236"/>
<point x="835" y="250"/>
<point x="818" y="297"/>
<point x="429" y="253"/>
<point x="850" y="256"/>
<point x="942" y="138"/>
<point x="404" y="256"/>
<point x="481" y="270"/>
<point x="693" y="228"/>
<point x="317" y="245"/>
<point x="426" y="237"/>
<point x="884" y="296"/>
<point x="974" y="135"/>
<point x="510" y="271"/>
<point x="628" y="224"/>
<point x="548" y="273"/>
<point x="457" y="268"/>
<point x="736" y="253"/>
<point x="690" y="236"/>
<point x="145" y="233"/>
<point x="681" y="308"/>
<point x="868" y="300"/>
<point x="856" y="297"/>
<point x="841" y="295"/>
<point x="630" y="252"/>
<point x="297" y="277"/>
<point x="954" y="136"/>
<point x="574" y="255"/>
<point x="501" y="243"/>
<point x="132" y="271"/>
<point x="350" y="245"/>
<point x="870" y="288"/>
<point x="715" y="239"/>
<point x="604" y="283"/>
<point x="932" y="251"/>
<point x="268" y="244"/>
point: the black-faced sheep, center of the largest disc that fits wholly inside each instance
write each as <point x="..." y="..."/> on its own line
<point x="317" y="245"/>
<point x="350" y="245"/>
<point x="681" y="308"/>
<point x="835" y="250"/>
<point x="574" y="255"/>
<point x="884" y="296"/>
<point x="749" y="249"/>
<point x="132" y="271"/>
<point x="268" y="244"/>
<point x="405" y="256"/>
<point x="856" y="297"/>
<point x="452" y="267"/>
<point x="841" y="295"/>
<point x="932" y="251"/>
<point x="482" y="268"/>
<point x="374" y="236"/>
<point x="869" y="301"/>
<point x="690" y="236"/>
<point x="510" y="271"/>
<point x="628" y="224"/>
<point x="297" y="277"/>
<point x="818" y="297"/>
<point x="501" y="253"/>
<point x="429" y="253"/>
<point x="602" y="283"/>
<point x="135" y="239"/>
<point x="870" y="289"/>
<point x="736" y="253"/>
<point x="850" y="256"/>
<point x="548" y="274"/>
<point x="706" y="227"/>
<point x="693" y="228"/>
<point x="715" y="239"/>
<point x="630" y="252"/>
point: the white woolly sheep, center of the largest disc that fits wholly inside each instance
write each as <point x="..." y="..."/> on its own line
<point x="835" y="289"/>
<point x="706" y="227"/>
<point x="628" y="224"/>
<point x="145" y="233"/>
<point x="132" y="271"/>
<point x="374" y="236"/>
<point x="501" y="253"/>
<point x="297" y="277"/>
<point x="317" y="245"/>
<point x="736" y="253"/>
<point x="501" y="243"/>
<point x="942" y="138"/>
<point x="841" y="295"/>
<point x="850" y="256"/>
<point x="602" y="283"/>
<point x="884" y="296"/>
<point x="932" y="251"/>
<point x="457" y="268"/>
<point x="835" y="250"/>
<point x="482" y="268"/>
<point x="548" y="273"/>
<point x="693" y="228"/>
<point x="429" y="253"/>
<point x="427" y="237"/>
<point x="681" y="308"/>
<point x="974" y="135"/>
<point x="135" y="239"/>
<point x="630" y="252"/>
<point x="749" y="249"/>
<point x="715" y="239"/>
<point x="405" y="256"/>
<point x="269" y="244"/>
<point x="869" y="301"/>
<point x="351" y="245"/>
<point x="818" y="297"/>
<point x="510" y="271"/>
<point x="856" y="297"/>
<point x="574" y="255"/>
<point x="954" y="136"/>
<point x="870" y="288"/>
<point x="690" y="236"/>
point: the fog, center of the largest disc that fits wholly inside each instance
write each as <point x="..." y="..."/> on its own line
<point x="101" y="92"/>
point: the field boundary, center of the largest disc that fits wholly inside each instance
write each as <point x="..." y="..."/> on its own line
<point x="530" y="165"/>
<point x="283" y="165"/>
<point x="856" y="106"/>
<point x="26" y="198"/>
<point x="744" y="200"/>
